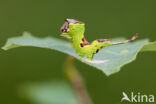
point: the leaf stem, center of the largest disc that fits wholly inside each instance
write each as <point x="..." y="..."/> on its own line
<point x="77" y="81"/>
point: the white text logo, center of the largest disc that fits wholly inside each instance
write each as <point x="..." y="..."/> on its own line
<point x="138" y="97"/>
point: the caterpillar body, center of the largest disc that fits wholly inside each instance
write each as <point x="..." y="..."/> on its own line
<point x="74" y="31"/>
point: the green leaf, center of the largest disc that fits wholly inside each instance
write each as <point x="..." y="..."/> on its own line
<point x="149" y="47"/>
<point x="109" y="59"/>
<point x="49" y="93"/>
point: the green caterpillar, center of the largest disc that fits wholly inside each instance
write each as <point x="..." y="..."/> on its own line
<point x="74" y="31"/>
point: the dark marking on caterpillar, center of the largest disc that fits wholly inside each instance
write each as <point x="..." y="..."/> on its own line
<point x="81" y="45"/>
<point x="65" y="27"/>
<point x="97" y="50"/>
<point x="84" y="42"/>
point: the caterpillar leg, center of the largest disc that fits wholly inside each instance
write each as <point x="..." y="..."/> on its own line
<point x="81" y="55"/>
<point x="90" y="57"/>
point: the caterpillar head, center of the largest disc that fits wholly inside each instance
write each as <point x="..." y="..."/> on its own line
<point x="70" y="27"/>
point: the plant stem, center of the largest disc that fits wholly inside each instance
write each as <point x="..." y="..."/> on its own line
<point x="77" y="81"/>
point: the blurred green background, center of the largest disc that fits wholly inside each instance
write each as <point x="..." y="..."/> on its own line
<point x="103" y="18"/>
